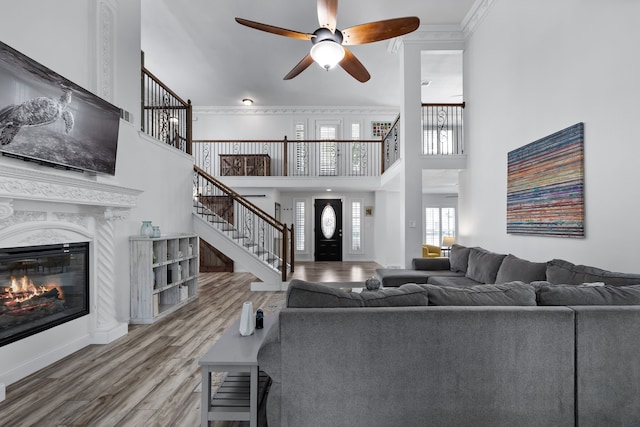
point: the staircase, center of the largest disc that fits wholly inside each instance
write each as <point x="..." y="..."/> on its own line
<point x="242" y="231"/>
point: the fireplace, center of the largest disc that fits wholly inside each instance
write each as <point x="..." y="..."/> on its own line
<point x="42" y="287"/>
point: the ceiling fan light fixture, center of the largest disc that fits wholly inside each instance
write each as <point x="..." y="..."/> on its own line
<point x="327" y="53"/>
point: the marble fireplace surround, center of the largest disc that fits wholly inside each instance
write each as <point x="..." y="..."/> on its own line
<point x="40" y="206"/>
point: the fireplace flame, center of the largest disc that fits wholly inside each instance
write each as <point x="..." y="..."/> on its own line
<point x="23" y="289"/>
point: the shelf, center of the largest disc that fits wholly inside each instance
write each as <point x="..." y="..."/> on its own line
<point x="156" y="264"/>
<point x="171" y="285"/>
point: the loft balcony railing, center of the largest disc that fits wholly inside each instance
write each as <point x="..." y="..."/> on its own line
<point x="244" y="222"/>
<point x="165" y="116"/>
<point x="442" y="129"/>
<point x="307" y="158"/>
<point x="391" y="145"/>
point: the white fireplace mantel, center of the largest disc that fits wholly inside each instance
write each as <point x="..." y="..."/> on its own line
<point x="39" y="185"/>
<point x="40" y="206"/>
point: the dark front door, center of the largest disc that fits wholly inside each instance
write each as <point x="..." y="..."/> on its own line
<point x="328" y="229"/>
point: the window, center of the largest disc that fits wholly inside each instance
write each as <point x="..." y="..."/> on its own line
<point x="299" y="227"/>
<point x="301" y="151"/>
<point x="356" y="226"/>
<point x="328" y="150"/>
<point x="439" y="222"/>
<point x="356" y="150"/>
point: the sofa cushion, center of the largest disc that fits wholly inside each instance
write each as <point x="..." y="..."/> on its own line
<point x="514" y="293"/>
<point x="459" y="258"/>
<point x="406" y="295"/>
<point x="483" y="265"/>
<point x="430" y="264"/>
<point x="564" y="272"/>
<point x="394" y="277"/>
<point x="514" y="268"/>
<point x="588" y="294"/>
<point x="458" y="281"/>
<point x="303" y="294"/>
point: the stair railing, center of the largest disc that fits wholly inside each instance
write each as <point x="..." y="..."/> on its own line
<point x="244" y="222"/>
<point x="391" y="146"/>
<point x="165" y="116"/>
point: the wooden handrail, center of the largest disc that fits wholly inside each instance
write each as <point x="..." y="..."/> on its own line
<point x="237" y="197"/>
<point x="162" y="85"/>
<point x="279" y="226"/>
<point x="462" y="105"/>
<point x="384" y="138"/>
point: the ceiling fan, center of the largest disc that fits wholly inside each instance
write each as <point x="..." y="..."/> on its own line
<point x="329" y="43"/>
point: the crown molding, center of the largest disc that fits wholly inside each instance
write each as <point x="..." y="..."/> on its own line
<point x="428" y="33"/>
<point x="302" y="110"/>
<point x="475" y="15"/>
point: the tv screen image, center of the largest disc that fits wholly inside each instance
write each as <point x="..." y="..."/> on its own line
<point x="49" y="119"/>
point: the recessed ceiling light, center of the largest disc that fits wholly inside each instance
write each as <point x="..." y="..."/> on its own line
<point x="247" y="101"/>
<point x="328" y="189"/>
<point x="425" y="83"/>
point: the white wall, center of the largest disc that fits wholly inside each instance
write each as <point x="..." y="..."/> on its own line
<point x="531" y="69"/>
<point x="63" y="37"/>
<point x="275" y="123"/>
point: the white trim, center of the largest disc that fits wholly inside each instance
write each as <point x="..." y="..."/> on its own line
<point x="350" y="209"/>
<point x="475" y="15"/>
<point x="301" y="110"/>
<point x="305" y="234"/>
<point x="428" y="33"/>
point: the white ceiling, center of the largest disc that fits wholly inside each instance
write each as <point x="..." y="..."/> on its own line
<point x="198" y="49"/>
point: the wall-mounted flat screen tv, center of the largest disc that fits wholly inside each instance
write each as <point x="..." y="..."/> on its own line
<point x="48" y="119"/>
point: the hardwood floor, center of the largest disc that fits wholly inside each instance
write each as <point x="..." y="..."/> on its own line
<point x="150" y="377"/>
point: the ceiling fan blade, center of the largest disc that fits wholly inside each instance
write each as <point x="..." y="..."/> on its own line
<point x="327" y="14"/>
<point x="302" y="65"/>
<point x="353" y="66"/>
<point x="379" y="30"/>
<point x="274" y="30"/>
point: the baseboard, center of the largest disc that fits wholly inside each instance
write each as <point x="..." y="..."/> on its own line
<point x="44" y="360"/>
<point x="107" y="336"/>
<point x="3" y="392"/>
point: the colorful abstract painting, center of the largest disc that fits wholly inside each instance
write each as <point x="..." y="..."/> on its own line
<point x="379" y="129"/>
<point x="545" y="189"/>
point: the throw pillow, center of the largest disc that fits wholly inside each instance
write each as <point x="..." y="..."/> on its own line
<point x="588" y="294"/>
<point x="514" y="293"/>
<point x="301" y="294"/>
<point x="459" y="258"/>
<point x="484" y="265"/>
<point x="514" y="268"/>
<point x="564" y="272"/>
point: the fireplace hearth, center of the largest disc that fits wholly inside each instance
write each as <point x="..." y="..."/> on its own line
<point x="42" y="287"/>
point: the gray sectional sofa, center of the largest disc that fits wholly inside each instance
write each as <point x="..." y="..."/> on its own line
<point x="474" y="266"/>
<point x="515" y="353"/>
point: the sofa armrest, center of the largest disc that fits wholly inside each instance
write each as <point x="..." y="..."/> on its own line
<point x="431" y="264"/>
<point x="269" y="353"/>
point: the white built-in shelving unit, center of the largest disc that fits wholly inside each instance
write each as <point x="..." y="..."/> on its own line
<point x="164" y="275"/>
